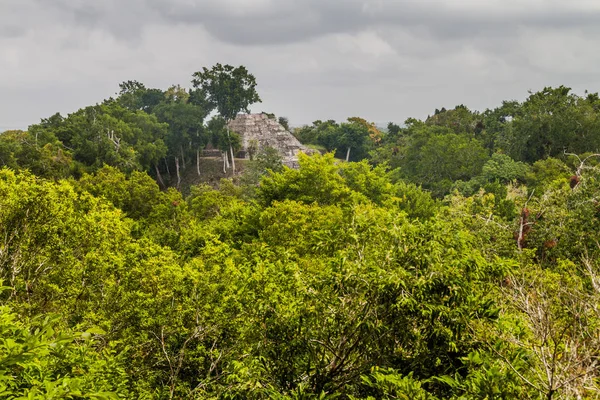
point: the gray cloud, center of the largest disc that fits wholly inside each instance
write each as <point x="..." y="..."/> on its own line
<point x="261" y="22"/>
<point x="275" y="22"/>
<point x="11" y="31"/>
<point x="313" y="59"/>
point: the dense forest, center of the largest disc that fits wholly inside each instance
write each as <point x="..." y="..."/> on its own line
<point x="454" y="257"/>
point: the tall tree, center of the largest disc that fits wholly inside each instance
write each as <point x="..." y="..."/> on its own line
<point x="186" y="128"/>
<point x="230" y="89"/>
<point x="222" y="139"/>
<point x="548" y="123"/>
<point x="135" y="95"/>
<point x="358" y="134"/>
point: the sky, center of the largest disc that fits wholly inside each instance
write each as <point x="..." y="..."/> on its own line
<point x="383" y="60"/>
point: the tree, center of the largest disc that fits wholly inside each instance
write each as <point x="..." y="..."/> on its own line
<point x="39" y="152"/>
<point x="320" y="133"/>
<point x="229" y="89"/>
<point x="360" y="135"/>
<point x="137" y="195"/>
<point x="550" y="122"/>
<point x="267" y="160"/>
<point x="318" y="180"/>
<point x="107" y="133"/>
<point x="285" y="122"/>
<point x="460" y="120"/>
<point x="148" y="140"/>
<point x="561" y="349"/>
<point x="504" y="169"/>
<point x="498" y="126"/>
<point x="135" y="96"/>
<point x="435" y="158"/>
<point x="186" y="129"/>
<point x="221" y="138"/>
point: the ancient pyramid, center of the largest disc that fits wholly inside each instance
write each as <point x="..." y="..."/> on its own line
<point x="267" y="132"/>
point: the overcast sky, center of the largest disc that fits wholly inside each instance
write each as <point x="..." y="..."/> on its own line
<point x="383" y="60"/>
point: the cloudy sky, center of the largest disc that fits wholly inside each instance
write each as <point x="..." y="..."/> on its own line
<point x="384" y="60"/>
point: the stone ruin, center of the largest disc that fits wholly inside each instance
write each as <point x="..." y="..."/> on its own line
<point x="267" y="132"/>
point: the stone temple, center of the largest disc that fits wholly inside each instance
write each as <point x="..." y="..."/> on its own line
<point x="267" y="132"/>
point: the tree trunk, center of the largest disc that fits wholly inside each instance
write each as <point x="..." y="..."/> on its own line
<point x="182" y="158"/>
<point x="177" y="167"/>
<point x="232" y="159"/>
<point x="224" y="155"/>
<point x="348" y="155"/>
<point x="230" y="147"/>
<point x="198" y="161"/>
<point x="520" y="238"/>
<point x="167" y="164"/>
<point x="158" y="177"/>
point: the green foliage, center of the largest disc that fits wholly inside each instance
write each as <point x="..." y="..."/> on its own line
<point x="460" y="120"/>
<point x="564" y="220"/>
<point x="230" y="90"/>
<point x="371" y="182"/>
<point x="283" y="121"/>
<point x="544" y="173"/>
<point x="43" y="155"/>
<point x="414" y="201"/>
<point x="135" y="96"/>
<point x="206" y="202"/>
<point x="503" y="169"/>
<point x="308" y="229"/>
<point x="41" y="360"/>
<point x="376" y="184"/>
<point x="497" y="177"/>
<point x="185" y="121"/>
<point x="336" y="280"/>
<point x="391" y="385"/>
<point x="108" y="134"/>
<point x="489" y="378"/>
<point x="267" y="160"/>
<point x="436" y="158"/>
<point x="317" y="180"/>
<point x="552" y="121"/>
<point x="137" y="195"/>
<point x="352" y="139"/>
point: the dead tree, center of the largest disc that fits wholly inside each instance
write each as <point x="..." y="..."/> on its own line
<point x="564" y="344"/>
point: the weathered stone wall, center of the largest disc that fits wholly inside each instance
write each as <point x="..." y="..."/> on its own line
<point x="267" y="132"/>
